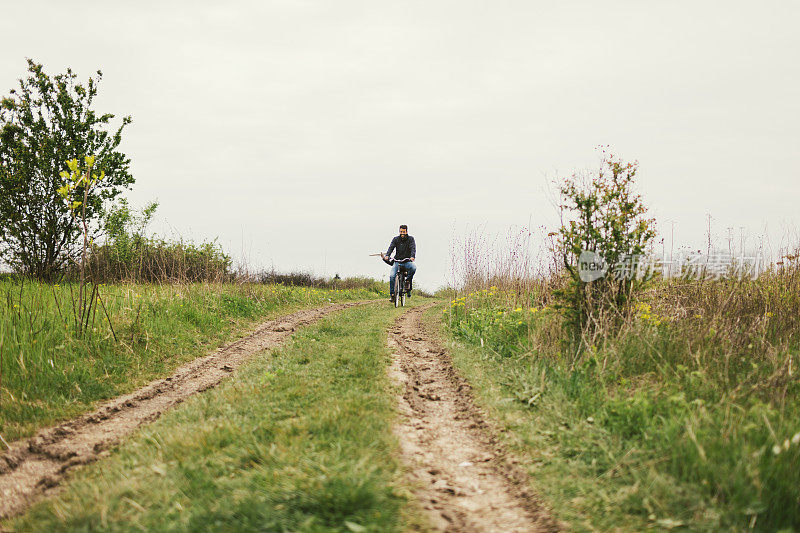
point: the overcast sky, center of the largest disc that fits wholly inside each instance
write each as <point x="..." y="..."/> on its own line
<point x="303" y="133"/>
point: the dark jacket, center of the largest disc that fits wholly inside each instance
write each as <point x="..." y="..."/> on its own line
<point x="405" y="248"/>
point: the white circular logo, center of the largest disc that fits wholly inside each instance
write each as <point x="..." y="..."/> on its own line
<point x="591" y="266"/>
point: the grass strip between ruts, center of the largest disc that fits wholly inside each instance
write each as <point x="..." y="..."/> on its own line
<point x="299" y="439"/>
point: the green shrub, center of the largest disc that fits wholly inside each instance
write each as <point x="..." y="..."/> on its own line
<point x="603" y="216"/>
<point x="128" y="254"/>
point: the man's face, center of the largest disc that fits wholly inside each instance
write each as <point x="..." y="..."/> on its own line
<point x="403" y="232"/>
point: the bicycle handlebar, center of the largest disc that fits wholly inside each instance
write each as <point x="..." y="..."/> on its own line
<point x="391" y="260"/>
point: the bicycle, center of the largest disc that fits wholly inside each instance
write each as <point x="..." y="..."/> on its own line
<point x="400" y="285"/>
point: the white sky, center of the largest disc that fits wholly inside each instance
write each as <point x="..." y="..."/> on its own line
<point x="286" y="127"/>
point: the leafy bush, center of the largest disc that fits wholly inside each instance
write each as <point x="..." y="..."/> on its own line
<point x="605" y="217"/>
<point x="130" y="255"/>
<point x="154" y="260"/>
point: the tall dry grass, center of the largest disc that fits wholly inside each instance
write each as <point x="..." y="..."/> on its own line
<point x="519" y="266"/>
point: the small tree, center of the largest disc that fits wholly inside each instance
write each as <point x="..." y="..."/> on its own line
<point x="604" y="220"/>
<point x="78" y="185"/>
<point x="46" y="121"/>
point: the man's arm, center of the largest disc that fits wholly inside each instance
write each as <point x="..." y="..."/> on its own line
<point x="392" y="246"/>
<point x="413" y="250"/>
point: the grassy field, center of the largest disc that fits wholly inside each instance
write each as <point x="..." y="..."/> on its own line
<point x="49" y="373"/>
<point x="299" y="439"/>
<point x="688" y="416"/>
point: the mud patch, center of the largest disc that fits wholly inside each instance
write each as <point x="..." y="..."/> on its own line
<point x="464" y="478"/>
<point x="34" y="467"/>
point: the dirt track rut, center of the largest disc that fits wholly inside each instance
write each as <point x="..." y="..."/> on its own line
<point x="35" y="466"/>
<point x="466" y="481"/>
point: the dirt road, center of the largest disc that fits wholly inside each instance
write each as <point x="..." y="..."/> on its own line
<point x="34" y="467"/>
<point x="465" y="480"/>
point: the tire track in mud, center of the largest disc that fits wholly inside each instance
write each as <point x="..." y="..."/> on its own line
<point x="463" y="477"/>
<point x="33" y="468"/>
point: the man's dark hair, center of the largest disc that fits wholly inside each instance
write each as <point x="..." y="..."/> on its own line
<point x="403" y="226"/>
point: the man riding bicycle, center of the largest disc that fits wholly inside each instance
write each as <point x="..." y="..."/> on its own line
<point x="405" y="248"/>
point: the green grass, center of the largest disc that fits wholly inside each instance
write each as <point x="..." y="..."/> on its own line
<point x="690" y="419"/>
<point x="48" y="373"/>
<point x="299" y="439"/>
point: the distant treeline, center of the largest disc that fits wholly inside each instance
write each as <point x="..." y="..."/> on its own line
<point x="305" y="279"/>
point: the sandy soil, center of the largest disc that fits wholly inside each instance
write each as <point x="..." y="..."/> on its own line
<point x="464" y="478"/>
<point x="34" y="467"/>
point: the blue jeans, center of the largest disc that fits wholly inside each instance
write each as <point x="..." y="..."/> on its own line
<point x="410" y="268"/>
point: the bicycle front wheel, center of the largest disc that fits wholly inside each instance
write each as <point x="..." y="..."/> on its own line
<point x="397" y="286"/>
